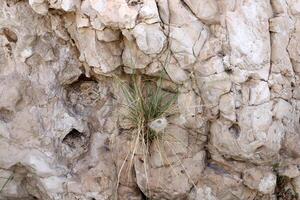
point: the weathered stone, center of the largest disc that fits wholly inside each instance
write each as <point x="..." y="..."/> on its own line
<point x="212" y="66"/>
<point x="149" y="12"/>
<point x="227" y="106"/>
<point x="260" y="179"/>
<point x="218" y="183"/>
<point x="90" y="47"/>
<point x="149" y="38"/>
<point x="205" y="10"/>
<point x="176" y="74"/>
<point x="39" y="6"/>
<point x="115" y="14"/>
<point x="250" y="43"/>
<point x="133" y="57"/>
<point x="256" y="92"/>
<point x="213" y="87"/>
<point x="233" y="67"/>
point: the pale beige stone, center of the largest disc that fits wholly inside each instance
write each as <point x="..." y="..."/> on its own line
<point x="206" y="10"/>
<point x="149" y="38"/>
<point x="39" y="6"/>
<point x="233" y="67"/>
<point x="116" y="14"/>
<point x="260" y="179"/>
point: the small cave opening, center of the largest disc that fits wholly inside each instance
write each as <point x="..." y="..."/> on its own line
<point x="235" y="130"/>
<point x="73" y="138"/>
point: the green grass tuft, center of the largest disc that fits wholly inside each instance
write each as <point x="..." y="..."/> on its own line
<point x="146" y="102"/>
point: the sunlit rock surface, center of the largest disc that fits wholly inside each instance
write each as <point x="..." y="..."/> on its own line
<point x="234" y="64"/>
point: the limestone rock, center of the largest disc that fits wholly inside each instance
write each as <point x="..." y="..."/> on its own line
<point x="177" y="74"/>
<point x="149" y="12"/>
<point x="115" y="14"/>
<point x="183" y="39"/>
<point x="212" y="66"/>
<point x="260" y="179"/>
<point x="150" y="38"/>
<point x="220" y="185"/>
<point x="212" y="87"/>
<point x="251" y="44"/>
<point x="133" y="57"/>
<point x="206" y="11"/>
<point x="227" y="106"/>
<point x="90" y="46"/>
<point x="233" y="67"/>
<point x="39" y="6"/>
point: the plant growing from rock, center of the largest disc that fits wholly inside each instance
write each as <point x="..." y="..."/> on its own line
<point x="147" y="107"/>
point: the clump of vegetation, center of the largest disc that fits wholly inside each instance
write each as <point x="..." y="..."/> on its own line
<point x="146" y="102"/>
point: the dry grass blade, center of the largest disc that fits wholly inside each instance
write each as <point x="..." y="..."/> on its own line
<point x="144" y="103"/>
<point x="6" y="182"/>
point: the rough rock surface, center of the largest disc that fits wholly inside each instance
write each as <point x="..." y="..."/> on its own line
<point x="235" y="63"/>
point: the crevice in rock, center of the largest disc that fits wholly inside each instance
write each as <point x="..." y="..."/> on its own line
<point x="144" y="197"/>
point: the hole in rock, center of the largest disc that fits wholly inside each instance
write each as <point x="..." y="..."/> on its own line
<point x="292" y="84"/>
<point x="83" y="77"/>
<point x="235" y="130"/>
<point x="10" y="35"/>
<point x="229" y="70"/>
<point x="74" y="138"/>
<point x="134" y="2"/>
<point x="6" y="115"/>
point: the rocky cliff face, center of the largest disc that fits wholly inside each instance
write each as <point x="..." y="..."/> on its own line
<point x="235" y="63"/>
